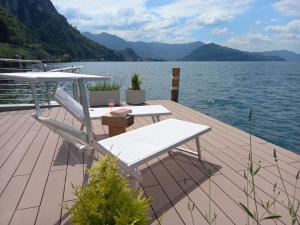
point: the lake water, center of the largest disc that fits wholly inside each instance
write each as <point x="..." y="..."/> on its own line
<point x="224" y="90"/>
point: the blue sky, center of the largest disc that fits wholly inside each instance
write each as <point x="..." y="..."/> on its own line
<point x="244" y="24"/>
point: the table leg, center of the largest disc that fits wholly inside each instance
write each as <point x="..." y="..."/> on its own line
<point x="113" y="131"/>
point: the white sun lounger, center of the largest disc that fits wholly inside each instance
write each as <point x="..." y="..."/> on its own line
<point x="136" y="147"/>
<point x="132" y="148"/>
<point x="74" y="108"/>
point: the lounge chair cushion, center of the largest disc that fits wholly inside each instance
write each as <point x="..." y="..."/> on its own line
<point x="138" y="146"/>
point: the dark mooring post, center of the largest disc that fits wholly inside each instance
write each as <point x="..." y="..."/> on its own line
<point x="175" y="84"/>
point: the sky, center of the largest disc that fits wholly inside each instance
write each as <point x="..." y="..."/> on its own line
<point x="252" y="25"/>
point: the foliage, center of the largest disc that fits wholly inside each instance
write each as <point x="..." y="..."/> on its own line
<point x="136" y="82"/>
<point x="293" y="204"/>
<point x="6" y="51"/>
<point x="107" y="198"/>
<point x="16" y="39"/>
<point x="41" y="28"/>
<point x="65" y="58"/>
<point x="105" y="86"/>
<point x="268" y="211"/>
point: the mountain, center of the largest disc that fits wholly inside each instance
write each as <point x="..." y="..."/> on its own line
<point x="146" y="50"/>
<point x="51" y="30"/>
<point x="286" y="55"/>
<point x="108" y="40"/>
<point x="16" y="39"/>
<point x="129" y="55"/>
<point x="214" y="52"/>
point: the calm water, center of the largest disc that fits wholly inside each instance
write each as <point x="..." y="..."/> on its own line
<point x="226" y="91"/>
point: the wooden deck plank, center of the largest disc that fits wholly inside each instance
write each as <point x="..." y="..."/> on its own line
<point x="198" y="197"/>
<point x="237" y="134"/>
<point x="25" y="216"/>
<point x="176" y="195"/>
<point x="185" y="183"/>
<point x="9" y="123"/>
<point x="14" y="160"/>
<point x="40" y="172"/>
<point x="173" y="181"/>
<point x="264" y="189"/>
<point x="162" y="207"/>
<point x="4" y="119"/>
<point x="51" y="206"/>
<point x="285" y="165"/>
<point x="10" y="198"/>
<point x="223" y="201"/>
<point x="27" y="164"/>
<point x="75" y="170"/>
<point x="10" y="146"/>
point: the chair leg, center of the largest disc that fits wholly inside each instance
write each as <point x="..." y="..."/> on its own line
<point x="138" y="182"/>
<point x="82" y="126"/>
<point x="198" y="153"/>
<point x="153" y="119"/>
<point x="198" y="148"/>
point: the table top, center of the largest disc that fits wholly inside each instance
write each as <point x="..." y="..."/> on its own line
<point x="145" y="110"/>
<point x="49" y="76"/>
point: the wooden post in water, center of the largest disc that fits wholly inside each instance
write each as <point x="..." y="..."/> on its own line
<point x="175" y="84"/>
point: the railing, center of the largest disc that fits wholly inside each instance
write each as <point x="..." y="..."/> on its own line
<point x="19" y="92"/>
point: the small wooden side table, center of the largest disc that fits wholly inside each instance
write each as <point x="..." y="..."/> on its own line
<point x="116" y="124"/>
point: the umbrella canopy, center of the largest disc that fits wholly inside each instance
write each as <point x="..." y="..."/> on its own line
<point x="50" y="76"/>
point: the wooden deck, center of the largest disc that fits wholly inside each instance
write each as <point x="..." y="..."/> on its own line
<point x="38" y="168"/>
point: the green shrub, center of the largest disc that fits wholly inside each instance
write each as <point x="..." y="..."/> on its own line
<point x="106" y="86"/>
<point x="136" y="82"/>
<point x="108" y="199"/>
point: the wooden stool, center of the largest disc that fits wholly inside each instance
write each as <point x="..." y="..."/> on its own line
<point x="116" y="124"/>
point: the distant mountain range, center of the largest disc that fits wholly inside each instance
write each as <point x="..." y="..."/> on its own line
<point x="34" y="29"/>
<point x="286" y="55"/>
<point x="195" y="51"/>
<point x="214" y="52"/>
<point x="146" y="50"/>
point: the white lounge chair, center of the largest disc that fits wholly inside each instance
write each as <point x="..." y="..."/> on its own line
<point x="74" y="108"/>
<point x="138" y="146"/>
<point x="132" y="148"/>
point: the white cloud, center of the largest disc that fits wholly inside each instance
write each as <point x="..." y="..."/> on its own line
<point x="293" y="26"/>
<point x="219" y="31"/>
<point x="133" y="20"/>
<point x="265" y="42"/>
<point x="288" y="7"/>
<point x="257" y="22"/>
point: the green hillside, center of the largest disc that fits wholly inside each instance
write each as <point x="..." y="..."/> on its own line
<point x="16" y="39"/>
<point x="34" y="29"/>
<point x="214" y="52"/>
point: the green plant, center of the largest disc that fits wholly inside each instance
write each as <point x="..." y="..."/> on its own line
<point x="136" y="82"/>
<point x="293" y="204"/>
<point x="108" y="199"/>
<point x="268" y="211"/>
<point x="106" y="86"/>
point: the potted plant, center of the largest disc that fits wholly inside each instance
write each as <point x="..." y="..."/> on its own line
<point x="134" y="95"/>
<point x="101" y="93"/>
